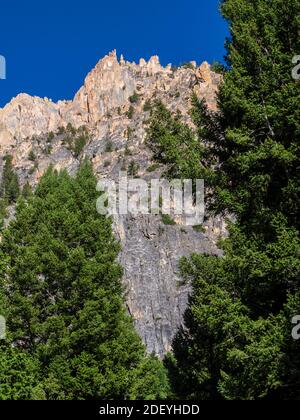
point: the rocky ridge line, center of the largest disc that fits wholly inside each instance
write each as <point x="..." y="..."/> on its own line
<point x="109" y="117"/>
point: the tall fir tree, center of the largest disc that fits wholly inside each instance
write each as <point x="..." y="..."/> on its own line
<point x="237" y="341"/>
<point x="64" y="300"/>
<point x="10" y="188"/>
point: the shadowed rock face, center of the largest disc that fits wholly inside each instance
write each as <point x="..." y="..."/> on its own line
<point x="156" y="296"/>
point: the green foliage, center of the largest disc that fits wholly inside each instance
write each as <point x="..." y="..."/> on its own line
<point x="61" y="130"/>
<point x="167" y="220"/>
<point x="3" y="211"/>
<point x="32" y="156"/>
<point x="199" y="228"/>
<point x="134" y="98"/>
<point x="153" y="167"/>
<point x="147" y="106"/>
<point x="10" y="188"/>
<point x="33" y="168"/>
<point x="174" y="143"/>
<point x="259" y="114"/>
<point x="108" y="147"/>
<point x="129" y="133"/>
<point x="66" y="318"/>
<point x="76" y="139"/>
<point x="51" y="136"/>
<point x="130" y="112"/>
<point x="27" y="191"/>
<point x="188" y="65"/>
<point x="18" y="374"/>
<point x="237" y="342"/>
<point x="133" y="168"/>
<point x="79" y="145"/>
<point x="150" y="381"/>
<point x="223" y="352"/>
<point x="218" y="67"/>
<point x="124" y="165"/>
<point x="127" y="151"/>
<point x="240" y="330"/>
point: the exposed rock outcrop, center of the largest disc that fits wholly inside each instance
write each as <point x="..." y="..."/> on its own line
<point x="115" y="138"/>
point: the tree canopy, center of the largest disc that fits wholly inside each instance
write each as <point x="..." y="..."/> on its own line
<point x="237" y="341"/>
<point x="69" y="336"/>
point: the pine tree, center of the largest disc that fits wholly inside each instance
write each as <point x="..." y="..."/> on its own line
<point x="237" y="342"/>
<point x="10" y="189"/>
<point x="174" y="143"/>
<point x="27" y="191"/>
<point x="65" y="298"/>
<point x="259" y="114"/>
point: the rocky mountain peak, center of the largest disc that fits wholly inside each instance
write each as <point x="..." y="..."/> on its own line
<point x="107" y="87"/>
<point x="106" y="122"/>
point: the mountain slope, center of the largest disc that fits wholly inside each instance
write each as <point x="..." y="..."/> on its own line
<point x="106" y="122"/>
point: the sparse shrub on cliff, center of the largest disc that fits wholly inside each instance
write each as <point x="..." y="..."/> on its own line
<point x="167" y="220"/>
<point x="79" y="145"/>
<point x="32" y="156"/>
<point x="33" y="168"/>
<point x="70" y="129"/>
<point x="48" y="149"/>
<point x="147" y="105"/>
<point x="133" y="168"/>
<point x="51" y="136"/>
<point x="129" y="133"/>
<point x="128" y="152"/>
<point x="199" y="228"/>
<point x="174" y="143"/>
<point x="130" y="112"/>
<point x="109" y="147"/>
<point x="153" y="167"/>
<point x="61" y="130"/>
<point x="134" y="98"/>
<point x="188" y="65"/>
<point x="76" y="139"/>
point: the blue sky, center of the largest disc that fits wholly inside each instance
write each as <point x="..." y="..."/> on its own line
<point x="50" y="46"/>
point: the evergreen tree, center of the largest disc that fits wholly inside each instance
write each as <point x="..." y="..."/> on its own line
<point x="237" y="342"/>
<point x="10" y="189"/>
<point x="3" y="212"/>
<point x="257" y="144"/>
<point x="65" y="299"/>
<point x="26" y="191"/>
<point x="173" y="143"/>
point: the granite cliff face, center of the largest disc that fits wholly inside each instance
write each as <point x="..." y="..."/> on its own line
<point x="113" y="127"/>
